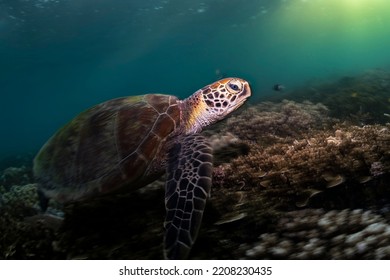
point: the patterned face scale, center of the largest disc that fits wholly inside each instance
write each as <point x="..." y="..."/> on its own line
<point x="224" y="96"/>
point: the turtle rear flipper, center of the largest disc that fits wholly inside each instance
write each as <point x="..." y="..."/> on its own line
<point x="43" y="200"/>
<point x="187" y="188"/>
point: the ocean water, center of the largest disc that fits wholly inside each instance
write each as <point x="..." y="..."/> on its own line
<point x="58" y="57"/>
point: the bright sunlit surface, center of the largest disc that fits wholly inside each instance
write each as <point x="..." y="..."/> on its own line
<point x="348" y="17"/>
<point x="326" y="37"/>
<point x="360" y="3"/>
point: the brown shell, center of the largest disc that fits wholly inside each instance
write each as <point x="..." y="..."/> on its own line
<point x="117" y="144"/>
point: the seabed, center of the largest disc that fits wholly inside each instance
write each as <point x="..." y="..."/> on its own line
<point x="302" y="174"/>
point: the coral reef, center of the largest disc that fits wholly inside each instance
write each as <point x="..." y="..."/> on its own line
<point x="17" y="189"/>
<point x="21" y="195"/>
<point x="290" y="181"/>
<point x="362" y="99"/>
<point x="317" y="234"/>
<point x="15" y="176"/>
<point x="267" y="123"/>
<point x="323" y="162"/>
<point x="253" y="195"/>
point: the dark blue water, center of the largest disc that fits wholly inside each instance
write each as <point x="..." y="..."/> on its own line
<point x="58" y="57"/>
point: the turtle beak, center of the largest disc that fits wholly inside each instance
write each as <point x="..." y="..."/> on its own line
<point x="242" y="97"/>
<point x="246" y="92"/>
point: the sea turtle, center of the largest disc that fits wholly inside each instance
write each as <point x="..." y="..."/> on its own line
<point x="125" y="143"/>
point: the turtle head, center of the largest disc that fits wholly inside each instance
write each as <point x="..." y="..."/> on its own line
<point x="214" y="102"/>
<point x="225" y="96"/>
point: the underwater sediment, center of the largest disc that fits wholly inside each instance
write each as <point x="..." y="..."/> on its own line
<point x="303" y="177"/>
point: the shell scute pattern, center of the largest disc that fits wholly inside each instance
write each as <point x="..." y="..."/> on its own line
<point x="127" y="127"/>
<point x="155" y="119"/>
<point x="116" y="143"/>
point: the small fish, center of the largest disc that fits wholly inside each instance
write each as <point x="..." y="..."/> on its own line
<point x="278" y="87"/>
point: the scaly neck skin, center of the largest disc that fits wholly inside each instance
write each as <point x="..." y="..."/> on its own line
<point x="194" y="116"/>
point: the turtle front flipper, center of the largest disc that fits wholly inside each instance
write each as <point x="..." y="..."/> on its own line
<point x="187" y="188"/>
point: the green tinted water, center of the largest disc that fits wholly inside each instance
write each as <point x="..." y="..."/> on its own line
<point x="58" y="57"/>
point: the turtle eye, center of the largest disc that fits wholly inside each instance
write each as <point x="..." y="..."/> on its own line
<point x="234" y="86"/>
